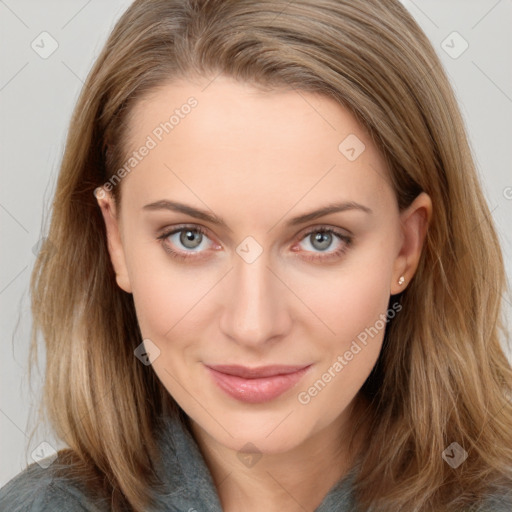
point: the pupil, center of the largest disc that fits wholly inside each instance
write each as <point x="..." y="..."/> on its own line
<point x="323" y="240"/>
<point x="187" y="239"/>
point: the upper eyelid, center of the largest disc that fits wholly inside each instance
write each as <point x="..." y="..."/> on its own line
<point x="205" y="230"/>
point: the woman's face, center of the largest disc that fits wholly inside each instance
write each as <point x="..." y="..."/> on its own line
<point x="266" y="281"/>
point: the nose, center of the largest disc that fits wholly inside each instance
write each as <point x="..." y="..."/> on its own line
<point x="255" y="309"/>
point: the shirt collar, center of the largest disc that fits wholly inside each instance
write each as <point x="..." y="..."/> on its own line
<point x="189" y="484"/>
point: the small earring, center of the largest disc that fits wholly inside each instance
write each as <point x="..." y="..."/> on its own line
<point x="401" y="280"/>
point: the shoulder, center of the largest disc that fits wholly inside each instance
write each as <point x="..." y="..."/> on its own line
<point x="36" y="489"/>
<point x="500" y="501"/>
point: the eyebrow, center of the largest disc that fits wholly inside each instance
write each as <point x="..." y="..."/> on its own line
<point x="175" y="206"/>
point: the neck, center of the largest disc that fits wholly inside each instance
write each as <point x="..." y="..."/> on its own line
<point x="295" y="480"/>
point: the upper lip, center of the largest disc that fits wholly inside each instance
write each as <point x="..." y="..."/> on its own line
<point x="258" y="372"/>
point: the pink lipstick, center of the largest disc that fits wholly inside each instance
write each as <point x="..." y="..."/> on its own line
<point x="255" y="385"/>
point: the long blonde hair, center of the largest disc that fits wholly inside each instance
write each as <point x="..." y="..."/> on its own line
<point x="442" y="375"/>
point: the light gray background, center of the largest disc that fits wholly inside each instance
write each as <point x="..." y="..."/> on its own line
<point x="36" y="100"/>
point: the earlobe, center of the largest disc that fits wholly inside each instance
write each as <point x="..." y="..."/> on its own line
<point x="107" y="205"/>
<point x="414" y="222"/>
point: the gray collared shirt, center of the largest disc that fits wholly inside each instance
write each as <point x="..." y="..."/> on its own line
<point x="189" y="485"/>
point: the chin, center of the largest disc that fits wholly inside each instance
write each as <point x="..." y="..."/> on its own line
<point x="256" y="442"/>
<point x="267" y="432"/>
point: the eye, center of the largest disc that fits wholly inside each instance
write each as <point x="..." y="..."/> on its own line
<point x="319" y="240"/>
<point x="187" y="239"/>
<point x="190" y="238"/>
<point x="184" y="242"/>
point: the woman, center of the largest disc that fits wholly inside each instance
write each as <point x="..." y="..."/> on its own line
<point x="276" y="283"/>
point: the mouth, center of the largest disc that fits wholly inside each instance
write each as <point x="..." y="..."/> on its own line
<point x="256" y="385"/>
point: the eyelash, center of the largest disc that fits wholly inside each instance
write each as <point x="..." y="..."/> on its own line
<point x="347" y="240"/>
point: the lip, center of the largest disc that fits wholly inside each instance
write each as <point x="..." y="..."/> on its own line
<point x="256" y="385"/>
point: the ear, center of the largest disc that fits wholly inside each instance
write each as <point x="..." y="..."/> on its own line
<point x="108" y="208"/>
<point x="414" y="221"/>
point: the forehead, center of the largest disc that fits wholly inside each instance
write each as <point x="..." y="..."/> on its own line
<point x="223" y="138"/>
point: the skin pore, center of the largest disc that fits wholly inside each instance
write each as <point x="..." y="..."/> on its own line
<point x="257" y="160"/>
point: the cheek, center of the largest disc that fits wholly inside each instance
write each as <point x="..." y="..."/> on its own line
<point x="159" y="288"/>
<point x="349" y="301"/>
<point x="168" y="296"/>
<point x="162" y="302"/>
<point x="356" y="312"/>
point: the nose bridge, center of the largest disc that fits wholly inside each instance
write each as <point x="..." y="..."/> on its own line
<point x="254" y="308"/>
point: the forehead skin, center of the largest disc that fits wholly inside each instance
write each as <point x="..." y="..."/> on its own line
<point x="254" y="158"/>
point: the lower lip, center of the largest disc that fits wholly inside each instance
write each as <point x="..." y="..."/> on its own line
<point x="258" y="390"/>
